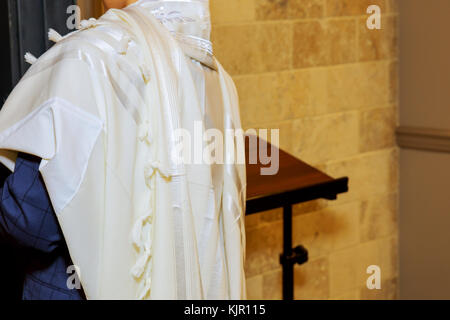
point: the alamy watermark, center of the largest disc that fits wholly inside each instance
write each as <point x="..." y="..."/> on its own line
<point x="74" y="19"/>
<point x="374" y="281"/>
<point x="212" y="146"/>
<point x="374" y="20"/>
<point x="73" y="281"/>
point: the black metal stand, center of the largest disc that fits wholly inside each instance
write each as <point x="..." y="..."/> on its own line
<point x="298" y="255"/>
<point x="290" y="256"/>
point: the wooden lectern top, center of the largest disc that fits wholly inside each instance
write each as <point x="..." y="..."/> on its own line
<point x="295" y="182"/>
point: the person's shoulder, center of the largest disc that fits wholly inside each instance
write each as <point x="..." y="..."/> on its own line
<point x="84" y="40"/>
<point x="72" y="45"/>
<point x="91" y="44"/>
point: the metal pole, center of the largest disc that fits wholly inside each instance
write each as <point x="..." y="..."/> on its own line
<point x="288" y="266"/>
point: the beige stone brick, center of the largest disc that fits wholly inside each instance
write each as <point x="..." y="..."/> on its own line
<point x="394" y="83"/>
<point x="378" y="44"/>
<point x="391" y="258"/>
<point x="377" y="129"/>
<point x="352" y="7"/>
<point x="343" y="271"/>
<point x="310" y="206"/>
<point x="271" y="215"/>
<point x="273" y="97"/>
<point x="324" y="138"/>
<point x="273" y="285"/>
<point x="378" y="217"/>
<point x="354" y="294"/>
<point x="328" y="230"/>
<point x="370" y="174"/>
<point x="270" y="97"/>
<point x="317" y="79"/>
<point x="255" y="288"/>
<point x="342" y="41"/>
<point x="319" y="43"/>
<point x="311" y="280"/>
<point x="357" y="86"/>
<point x="232" y="11"/>
<point x="253" y="48"/>
<point x="380" y="252"/>
<point x="284" y="131"/>
<point x="308" y="92"/>
<point x="310" y="42"/>
<point x="252" y="221"/>
<point x="264" y="245"/>
<point x="348" y="268"/>
<point x="393" y="5"/>
<point x="388" y="291"/>
<point x="289" y="9"/>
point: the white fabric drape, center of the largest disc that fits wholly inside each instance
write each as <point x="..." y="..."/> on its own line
<point x="101" y="109"/>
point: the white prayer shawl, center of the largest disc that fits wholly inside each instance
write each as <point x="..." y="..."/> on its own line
<point x="101" y="109"/>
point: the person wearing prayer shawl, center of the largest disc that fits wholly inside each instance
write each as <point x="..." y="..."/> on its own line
<point x="101" y="111"/>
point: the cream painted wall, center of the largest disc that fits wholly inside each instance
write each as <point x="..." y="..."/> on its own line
<point x="424" y="176"/>
<point x="425" y="63"/>
<point x="424" y="225"/>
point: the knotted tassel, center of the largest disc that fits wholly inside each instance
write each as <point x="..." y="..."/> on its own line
<point x="123" y="45"/>
<point x="145" y="74"/>
<point x="144" y="133"/>
<point x="139" y="268"/>
<point x="146" y="291"/>
<point x="86" y="24"/>
<point x="153" y="167"/>
<point x="29" y="58"/>
<point x="144" y="247"/>
<point x="54" y="36"/>
<point x="136" y="234"/>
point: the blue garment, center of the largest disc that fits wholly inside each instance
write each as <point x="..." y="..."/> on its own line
<point x="29" y="224"/>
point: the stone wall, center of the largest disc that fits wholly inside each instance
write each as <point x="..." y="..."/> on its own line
<point x="314" y="70"/>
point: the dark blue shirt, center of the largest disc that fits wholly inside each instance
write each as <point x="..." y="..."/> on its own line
<point x="28" y="224"/>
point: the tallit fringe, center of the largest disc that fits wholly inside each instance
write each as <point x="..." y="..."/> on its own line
<point x="123" y="45"/>
<point x="144" y="134"/>
<point x="145" y="246"/>
<point x="137" y="230"/>
<point x="138" y="269"/>
<point x="86" y="24"/>
<point x="154" y="167"/>
<point x="145" y="74"/>
<point x="142" y="269"/>
<point x="145" y="252"/>
<point x="146" y="291"/>
<point x="29" y="58"/>
<point x="54" y="36"/>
